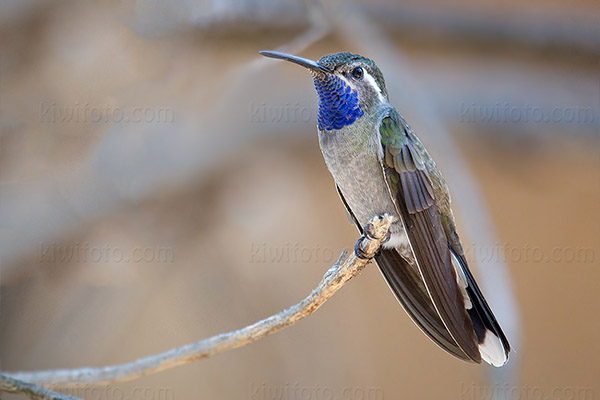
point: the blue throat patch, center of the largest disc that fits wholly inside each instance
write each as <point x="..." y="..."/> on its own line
<point x="338" y="104"/>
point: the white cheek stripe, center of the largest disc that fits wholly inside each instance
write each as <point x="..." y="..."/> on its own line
<point x="373" y="83"/>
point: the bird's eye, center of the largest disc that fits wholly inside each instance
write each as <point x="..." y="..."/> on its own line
<point x="357" y="73"/>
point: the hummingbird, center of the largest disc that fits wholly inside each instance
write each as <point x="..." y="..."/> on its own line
<point x="380" y="166"/>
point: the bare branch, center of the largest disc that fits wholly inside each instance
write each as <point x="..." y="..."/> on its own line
<point x="341" y="272"/>
<point x="11" y="385"/>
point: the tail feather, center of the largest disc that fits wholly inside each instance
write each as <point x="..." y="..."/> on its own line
<point x="408" y="287"/>
<point x="493" y="345"/>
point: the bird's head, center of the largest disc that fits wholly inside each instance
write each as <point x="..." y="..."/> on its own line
<point x="349" y="86"/>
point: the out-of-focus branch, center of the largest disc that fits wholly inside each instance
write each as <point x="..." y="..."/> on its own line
<point x="537" y="32"/>
<point x="11" y="385"/>
<point x="190" y="155"/>
<point x="341" y="272"/>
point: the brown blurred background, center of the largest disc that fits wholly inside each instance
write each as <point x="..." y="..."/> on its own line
<point x="160" y="182"/>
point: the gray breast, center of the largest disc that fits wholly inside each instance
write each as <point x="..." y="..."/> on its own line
<point x="353" y="160"/>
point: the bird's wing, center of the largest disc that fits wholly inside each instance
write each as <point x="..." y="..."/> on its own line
<point x="414" y="196"/>
<point x="406" y="284"/>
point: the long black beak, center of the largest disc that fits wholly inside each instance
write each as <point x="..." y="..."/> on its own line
<point x="310" y="64"/>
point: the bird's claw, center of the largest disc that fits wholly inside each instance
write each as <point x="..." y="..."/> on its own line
<point x="376" y="229"/>
<point x="359" y="252"/>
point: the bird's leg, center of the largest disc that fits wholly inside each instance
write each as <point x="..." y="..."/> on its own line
<point x="376" y="228"/>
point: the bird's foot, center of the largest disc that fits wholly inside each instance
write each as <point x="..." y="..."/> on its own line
<point x="377" y="229"/>
<point x="360" y="253"/>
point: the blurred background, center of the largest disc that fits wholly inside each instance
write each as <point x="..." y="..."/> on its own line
<point x="160" y="182"/>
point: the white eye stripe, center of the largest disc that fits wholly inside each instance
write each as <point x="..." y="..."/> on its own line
<point x="369" y="78"/>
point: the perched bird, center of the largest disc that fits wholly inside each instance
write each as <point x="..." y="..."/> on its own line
<point x="380" y="166"/>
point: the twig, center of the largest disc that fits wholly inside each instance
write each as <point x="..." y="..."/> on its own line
<point x="11" y="385"/>
<point x="333" y="280"/>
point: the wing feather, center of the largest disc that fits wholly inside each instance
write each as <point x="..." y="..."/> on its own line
<point x="413" y="192"/>
<point x="407" y="285"/>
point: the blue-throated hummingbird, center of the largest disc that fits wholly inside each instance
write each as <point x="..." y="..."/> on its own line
<point x="380" y="166"/>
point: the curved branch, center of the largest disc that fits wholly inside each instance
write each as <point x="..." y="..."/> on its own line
<point x="11" y="385"/>
<point x="341" y="272"/>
